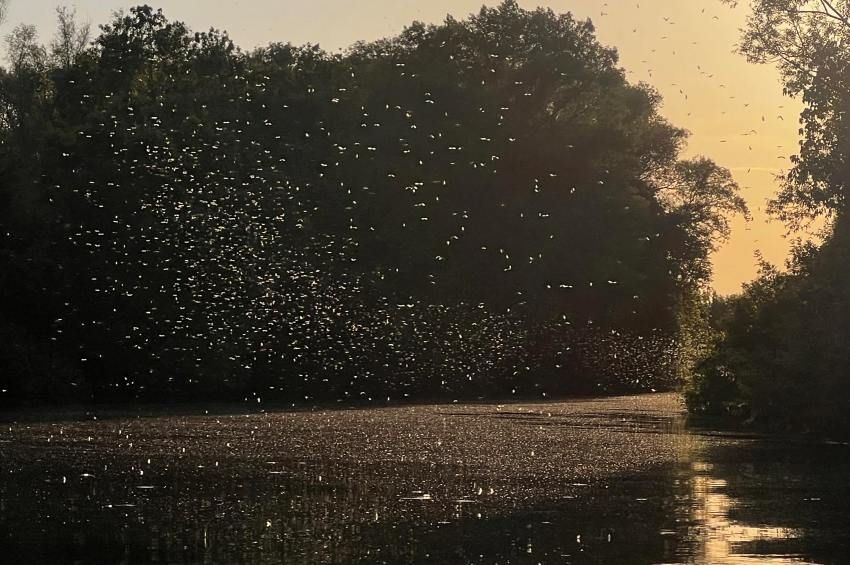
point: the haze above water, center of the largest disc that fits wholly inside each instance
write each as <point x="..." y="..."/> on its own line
<point x="596" y="481"/>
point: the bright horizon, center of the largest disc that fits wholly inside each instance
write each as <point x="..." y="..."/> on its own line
<point x="735" y="111"/>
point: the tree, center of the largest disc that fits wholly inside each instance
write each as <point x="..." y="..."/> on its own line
<point x="70" y="40"/>
<point x="532" y="126"/>
<point x="808" y="41"/>
<point x="24" y="51"/>
<point x="701" y="197"/>
<point x="481" y="205"/>
<point x="783" y="354"/>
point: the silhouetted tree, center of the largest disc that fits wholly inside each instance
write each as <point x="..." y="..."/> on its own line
<point x="783" y="356"/>
<point x="484" y="206"/>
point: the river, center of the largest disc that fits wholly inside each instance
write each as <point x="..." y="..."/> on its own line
<point x="613" y="480"/>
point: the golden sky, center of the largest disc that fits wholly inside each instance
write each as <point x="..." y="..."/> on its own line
<point x="735" y="111"/>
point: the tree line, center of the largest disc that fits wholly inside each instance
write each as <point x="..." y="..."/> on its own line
<point x="781" y="357"/>
<point x="484" y="207"/>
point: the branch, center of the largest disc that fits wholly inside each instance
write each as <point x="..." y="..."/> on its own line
<point x="823" y="13"/>
<point x="838" y="14"/>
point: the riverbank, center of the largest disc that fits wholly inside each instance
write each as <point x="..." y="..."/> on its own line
<point x="150" y="409"/>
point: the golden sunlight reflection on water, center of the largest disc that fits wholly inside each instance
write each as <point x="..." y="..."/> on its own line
<point x="724" y="540"/>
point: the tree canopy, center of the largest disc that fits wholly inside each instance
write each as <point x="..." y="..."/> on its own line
<point x="782" y="354"/>
<point x="482" y="204"/>
<point x="807" y="40"/>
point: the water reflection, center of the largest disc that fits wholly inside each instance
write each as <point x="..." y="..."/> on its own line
<point x="725" y="540"/>
<point x="770" y="501"/>
<point x="533" y="484"/>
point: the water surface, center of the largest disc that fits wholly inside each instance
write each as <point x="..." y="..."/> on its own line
<point x="618" y="480"/>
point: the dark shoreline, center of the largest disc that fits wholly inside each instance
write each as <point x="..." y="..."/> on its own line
<point x="108" y="410"/>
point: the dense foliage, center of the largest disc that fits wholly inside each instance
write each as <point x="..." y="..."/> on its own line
<point x="783" y="359"/>
<point x="484" y="207"/>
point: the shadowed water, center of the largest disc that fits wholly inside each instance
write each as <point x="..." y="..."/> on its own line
<point x="597" y="481"/>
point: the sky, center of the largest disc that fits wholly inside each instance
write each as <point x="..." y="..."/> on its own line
<point x="735" y="111"/>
